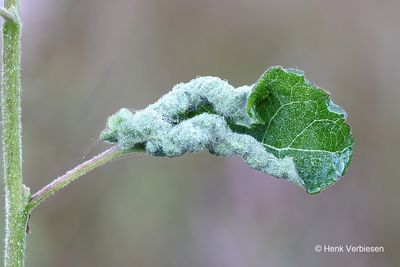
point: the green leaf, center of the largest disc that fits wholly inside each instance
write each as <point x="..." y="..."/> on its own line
<point x="300" y="121"/>
<point x="283" y="125"/>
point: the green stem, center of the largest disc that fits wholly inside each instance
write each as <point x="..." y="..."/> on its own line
<point x="72" y="175"/>
<point x="7" y="15"/>
<point x="18" y="201"/>
<point x="12" y="148"/>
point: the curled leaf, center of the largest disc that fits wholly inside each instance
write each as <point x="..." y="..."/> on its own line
<point x="283" y="125"/>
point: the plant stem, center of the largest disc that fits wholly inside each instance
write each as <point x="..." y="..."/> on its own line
<point x="18" y="203"/>
<point x="7" y="15"/>
<point x="72" y="175"/>
<point x="12" y="148"/>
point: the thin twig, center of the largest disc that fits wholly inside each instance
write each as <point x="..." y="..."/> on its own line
<point x="73" y="174"/>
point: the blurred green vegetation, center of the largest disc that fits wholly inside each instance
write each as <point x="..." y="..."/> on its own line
<point x="83" y="60"/>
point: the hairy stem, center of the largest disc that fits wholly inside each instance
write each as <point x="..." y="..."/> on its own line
<point x="15" y="218"/>
<point x="7" y="15"/>
<point x="73" y="174"/>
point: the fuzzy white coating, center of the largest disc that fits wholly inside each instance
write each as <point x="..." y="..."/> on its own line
<point x="154" y="127"/>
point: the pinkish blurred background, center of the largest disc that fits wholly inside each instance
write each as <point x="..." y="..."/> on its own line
<point x="83" y="60"/>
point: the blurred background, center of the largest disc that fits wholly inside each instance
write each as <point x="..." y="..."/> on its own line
<point x="83" y="60"/>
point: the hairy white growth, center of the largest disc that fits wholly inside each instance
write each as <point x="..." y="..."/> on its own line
<point x="226" y="100"/>
<point x="156" y="127"/>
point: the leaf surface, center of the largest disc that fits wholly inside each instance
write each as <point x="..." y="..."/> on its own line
<point x="283" y="125"/>
<point x="299" y="120"/>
